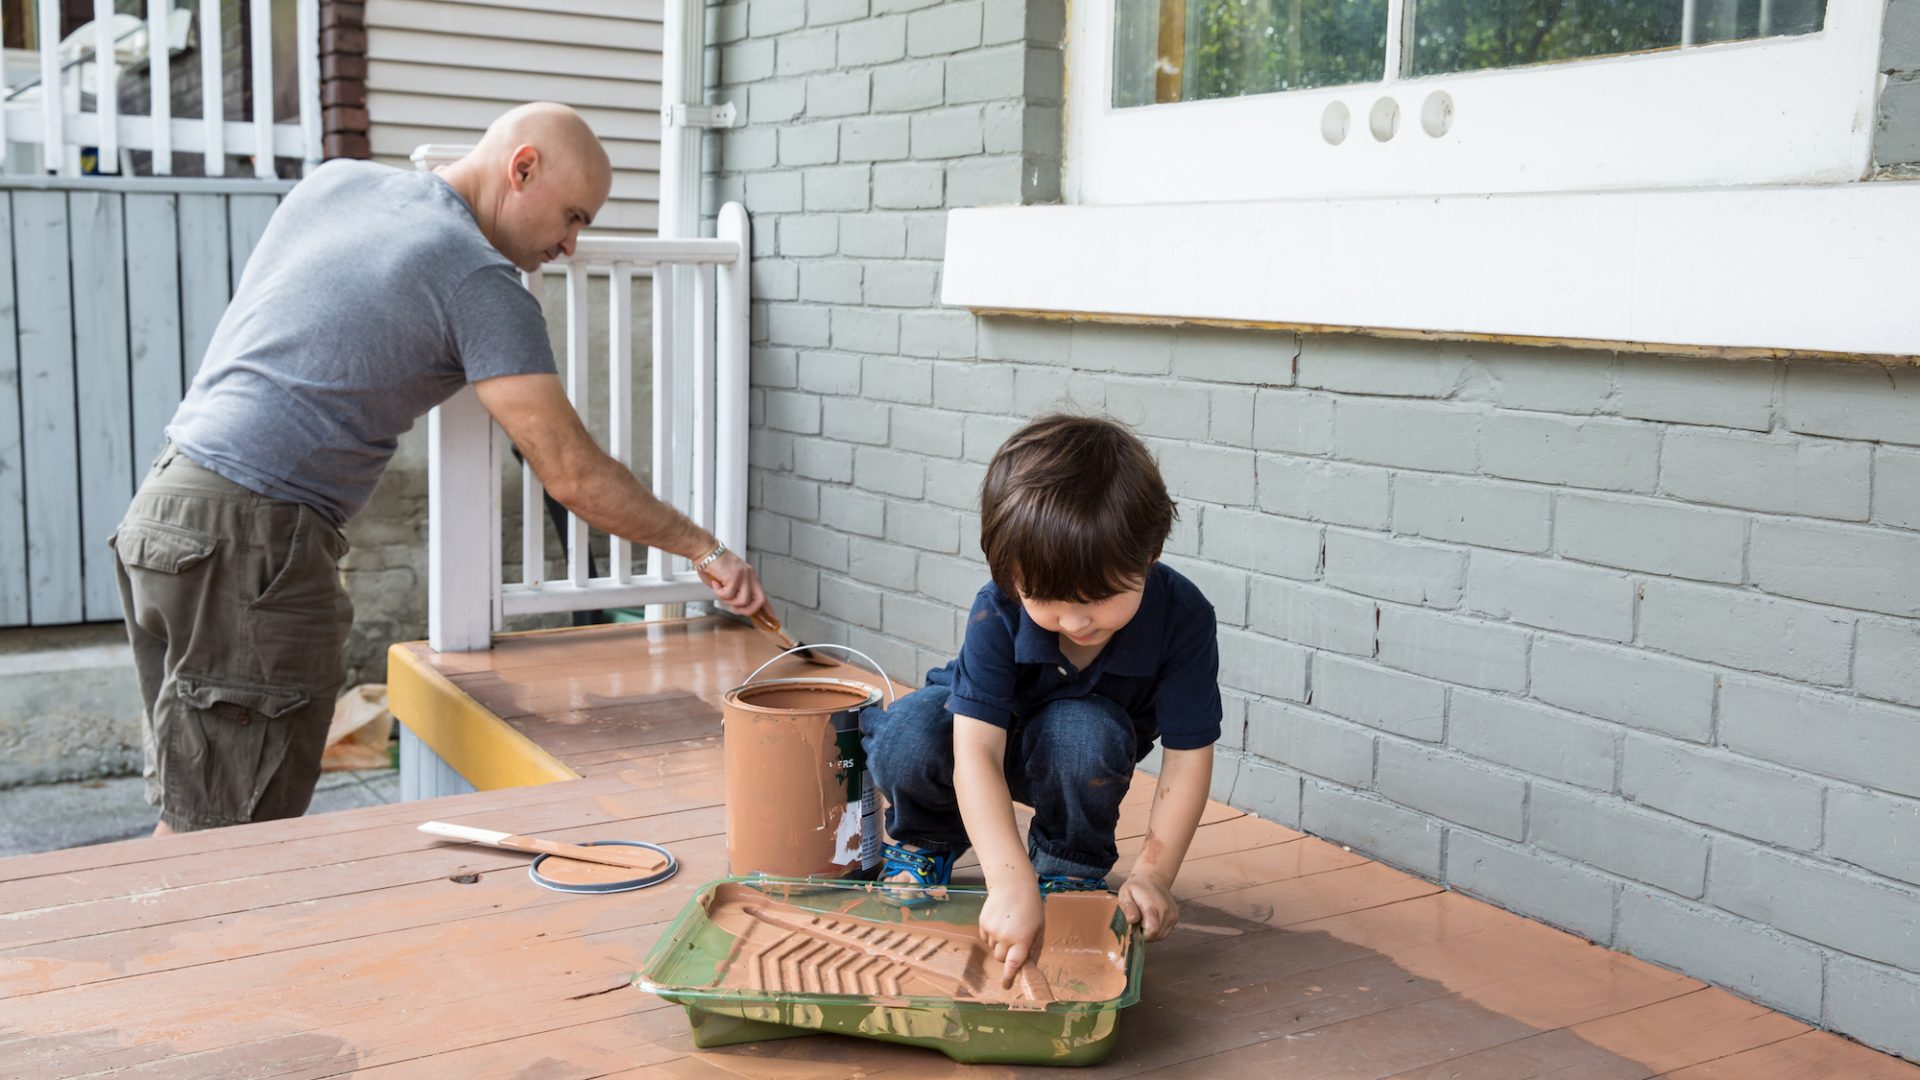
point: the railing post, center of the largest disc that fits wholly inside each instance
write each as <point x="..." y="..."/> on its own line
<point x="160" y="83"/>
<point x="106" y="94"/>
<point x="213" y="93"/>
<point x="730" y="380"/>
<point x="463" y="524"/>
<point x="53" y="96"/>
<point x="261" y="55"/>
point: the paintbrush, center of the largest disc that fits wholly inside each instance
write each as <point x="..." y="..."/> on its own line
<point x="769" y="624"/>
<point x="632" y="858"/>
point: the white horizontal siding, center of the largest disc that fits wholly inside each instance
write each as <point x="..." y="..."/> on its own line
<point x="440" y="72"/>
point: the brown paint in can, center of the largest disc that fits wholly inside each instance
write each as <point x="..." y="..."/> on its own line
<point x="797" y="797"/>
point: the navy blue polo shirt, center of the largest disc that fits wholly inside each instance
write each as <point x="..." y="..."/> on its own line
<point x="1163" y="667"/>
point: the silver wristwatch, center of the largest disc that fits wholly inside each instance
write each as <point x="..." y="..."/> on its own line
<point x="707" y="560"/>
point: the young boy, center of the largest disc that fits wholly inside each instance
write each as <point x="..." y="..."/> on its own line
<point x="1081" y="650"/>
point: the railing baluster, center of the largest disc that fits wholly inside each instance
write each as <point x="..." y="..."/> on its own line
<point x="160" y="83"/>
<point x="620" y="397"/>
<point x="533" y="504"/>
<point x="659" y="562"/>
<point x="213" y="91"/>
<point x="262" y="57"/>
<point x="580" y="392"/>
<point x="730" y="380"/>
<point x="106" y="94"/>
<point x="53" y="97"/>
<point x="701" y="508"/>
<point x="306" y="18"/>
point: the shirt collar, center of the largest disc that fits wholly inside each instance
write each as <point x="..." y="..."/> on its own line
<point x="1135" y="650"/>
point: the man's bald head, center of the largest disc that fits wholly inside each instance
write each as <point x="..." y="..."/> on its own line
<point x="535" y="179"/>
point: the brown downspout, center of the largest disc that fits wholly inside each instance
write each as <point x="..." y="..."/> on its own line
<point x="343" y="79"/>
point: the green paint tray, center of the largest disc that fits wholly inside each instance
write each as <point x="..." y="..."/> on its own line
<point x="689" y="960"/>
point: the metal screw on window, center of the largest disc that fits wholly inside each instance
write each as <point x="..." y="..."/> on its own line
<point x="1384" y="119"/>
<point x="1436" y="116"/>
<point x="1333" y="123"/>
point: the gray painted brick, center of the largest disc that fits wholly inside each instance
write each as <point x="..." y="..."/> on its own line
<point x="853" y="511"/>
<point x="821" y="547"/>
<point x="950" y="28"/>
<point x="746" y="149"/>
<point x="1365" y="365"/>
<point x="992" y="74"/>
<point x="875" y="138"/>
<point x="1211" y="473"/>
<point x="770" y="450"/>
<point x="793" y="582"/>
<point x="1552" y="595"/>
<point x="1829" y="906"/>
<point x="1874" y="1004"/>
<point x="929" y="528"/>
<point x="1746" y="630"/>
<point x="1896" y="487"/>
<point x="888" y="472"/>
<point x="1213" y="354"/>
<point x="956" y="484"/>
<point x="973" y="387"/>
<point x="1746" y="958"/>
<point x="1267" y="791"/>
<point x="1313" y="744"/>
<point x="1373" y="827"/>
<point x="1632" y="687"/>
<point x="837" y="187"/>
<point x="901" y="284"/>
<point x="1159" y="407"/>
<point x="1131" y="350"/>
<point x="1900" y="51"/>
<point x="886" y="565"/>
<point x="927" y="236"/>
<point x="1556" y="892"/>
<point x="951" y="581"/>
<point x="771" y="366"/>
<point x="1443" y="438"/>
<point x="1886" y="662"/>
<point x="1379" y="698"/>
<point x="1854" y="401"/>
<point x="766" y="17"/>
<point x="986" y="181"/>
<point x="1330" y="491"/>
<point x="850" y="602"/>
<point x="798" y="413"/>
<point x="888" y="379"/>
<point x="768" y="532"/>
<point x="1875" y="745"/>
<point x="984" y="434"/>
<point x="1578" y="381"/>
<point x="1481" y="654"/>
<point x="1471" y="511"/>
<point x="1718" y="789"/>
<point x="1613" y="455"/>
<point x="906" y="87"/>
<point x="840" y="94"/>
<point x="1452" y="788"/>
<point x="873" y="41"/>
<point x="875" y="236"/>
<point x="1271" y="545"/>
<point x="890" y="654"/>
<point x="883" y="7"/>
<point x="1661" y="537"/>
<point x="1897" y="136"/>
<point x="908" y="187"/>
<point x="1321" y="618"/>
<point x="774" y="102"/>
<point x="1223" y="586"/>
<point x="919" y="621"/>
<point x="830" y="281"/>
<point x="1262" y="665"/>
<point x="826" y="12"/>
<point x="854" y="421"/>
<point x="1786" y="475"/>
<point x="1038" y="390"/>
<point x="865" y="331"/>
<point x="1003" y="122"/>
<point x="1032" y="341"/>
<point x="804" y="53"/>
<point x="1876" y="832"/>
<point x="803" y="235"/>
<point x="1293" y="422"/>
<point x="946" y="133"/>
<point x="1869" y="569"/>
<point x="745" y="62"/>
<point x="775" y="279"/>
<point x="1723" y="393"/>
<point x="1533" y="738"/>
<point x="1402" y="570"/>
<point x="944" y="334"/>
<point x="730" y="22"/>
<point x="924" y="431"/>
<point x="798" y="499"/>
<point x="818" y="459"/>
<point x="1232" y="416"/>
<point x="1603" y="831"/>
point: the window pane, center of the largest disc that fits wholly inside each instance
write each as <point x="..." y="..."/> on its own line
<point x="1471" y="35"/>
<point x="1189" y="50"/>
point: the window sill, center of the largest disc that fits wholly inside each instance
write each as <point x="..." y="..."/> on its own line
<point x="1755" y="271"/>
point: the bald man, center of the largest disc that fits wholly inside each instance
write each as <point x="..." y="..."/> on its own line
<point x="374" y="295"/>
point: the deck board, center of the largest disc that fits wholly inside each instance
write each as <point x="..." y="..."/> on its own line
<point x="351" y="943"/>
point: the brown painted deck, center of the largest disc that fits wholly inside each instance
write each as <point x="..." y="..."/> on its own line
<point x="348" y="943"/>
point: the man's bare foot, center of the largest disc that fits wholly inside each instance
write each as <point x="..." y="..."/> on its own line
<point x="162" y="829"/>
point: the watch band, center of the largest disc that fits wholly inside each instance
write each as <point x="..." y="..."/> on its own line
<point x="707" y="560"/>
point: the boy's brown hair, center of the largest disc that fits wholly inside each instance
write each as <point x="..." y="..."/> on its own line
<point x="1073" y="508"/>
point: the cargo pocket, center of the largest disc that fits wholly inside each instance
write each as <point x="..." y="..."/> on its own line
<point x="156" y="545"/>
<point x="226" y="746"/>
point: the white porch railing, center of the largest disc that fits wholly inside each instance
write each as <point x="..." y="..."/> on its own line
<point x="46" y="112"/>
<point x="468" y="597"/>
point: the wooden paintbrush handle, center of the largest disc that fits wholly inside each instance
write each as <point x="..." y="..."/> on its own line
<point x="632" y="858"/>
<point x="763" y="617"/>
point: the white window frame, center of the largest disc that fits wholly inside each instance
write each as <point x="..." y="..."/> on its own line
<point x="1794" y="109"/>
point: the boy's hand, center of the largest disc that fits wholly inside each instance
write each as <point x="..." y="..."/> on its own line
<point x="1150" y="906"/>
<point x="1009" y="923"/>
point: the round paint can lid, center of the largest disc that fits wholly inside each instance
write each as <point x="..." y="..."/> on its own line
<point x="573" y="876"/>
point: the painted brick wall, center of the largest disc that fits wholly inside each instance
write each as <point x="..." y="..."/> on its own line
<point x="1628" y="643"/>
<point x="1896" y="142"/>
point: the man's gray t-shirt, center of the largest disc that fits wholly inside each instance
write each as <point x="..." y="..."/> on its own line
<point x="371" y="298"/>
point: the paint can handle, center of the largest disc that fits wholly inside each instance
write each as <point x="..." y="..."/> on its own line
<point x="886" y="683"/>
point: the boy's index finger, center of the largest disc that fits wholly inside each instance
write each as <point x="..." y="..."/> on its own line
<point x="1016" y="959"/>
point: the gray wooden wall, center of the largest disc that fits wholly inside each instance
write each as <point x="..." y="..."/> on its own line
<point x="109" y="293"/>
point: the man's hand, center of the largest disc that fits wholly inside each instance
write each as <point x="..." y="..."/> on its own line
<point x="735" y="583"/>
<point x="1149" y="905"/>
<point x="1010" y="923"/>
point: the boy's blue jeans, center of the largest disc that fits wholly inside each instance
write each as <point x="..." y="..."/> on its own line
<point x="1071" y="762"/>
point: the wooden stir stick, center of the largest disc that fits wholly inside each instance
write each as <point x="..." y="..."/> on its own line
<point x="648" y="862"/>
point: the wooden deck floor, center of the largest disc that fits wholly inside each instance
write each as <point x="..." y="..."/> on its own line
<point x="350" y="943"/>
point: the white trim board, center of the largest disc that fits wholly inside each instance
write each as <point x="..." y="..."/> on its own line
<point x="1817" y="269"/>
